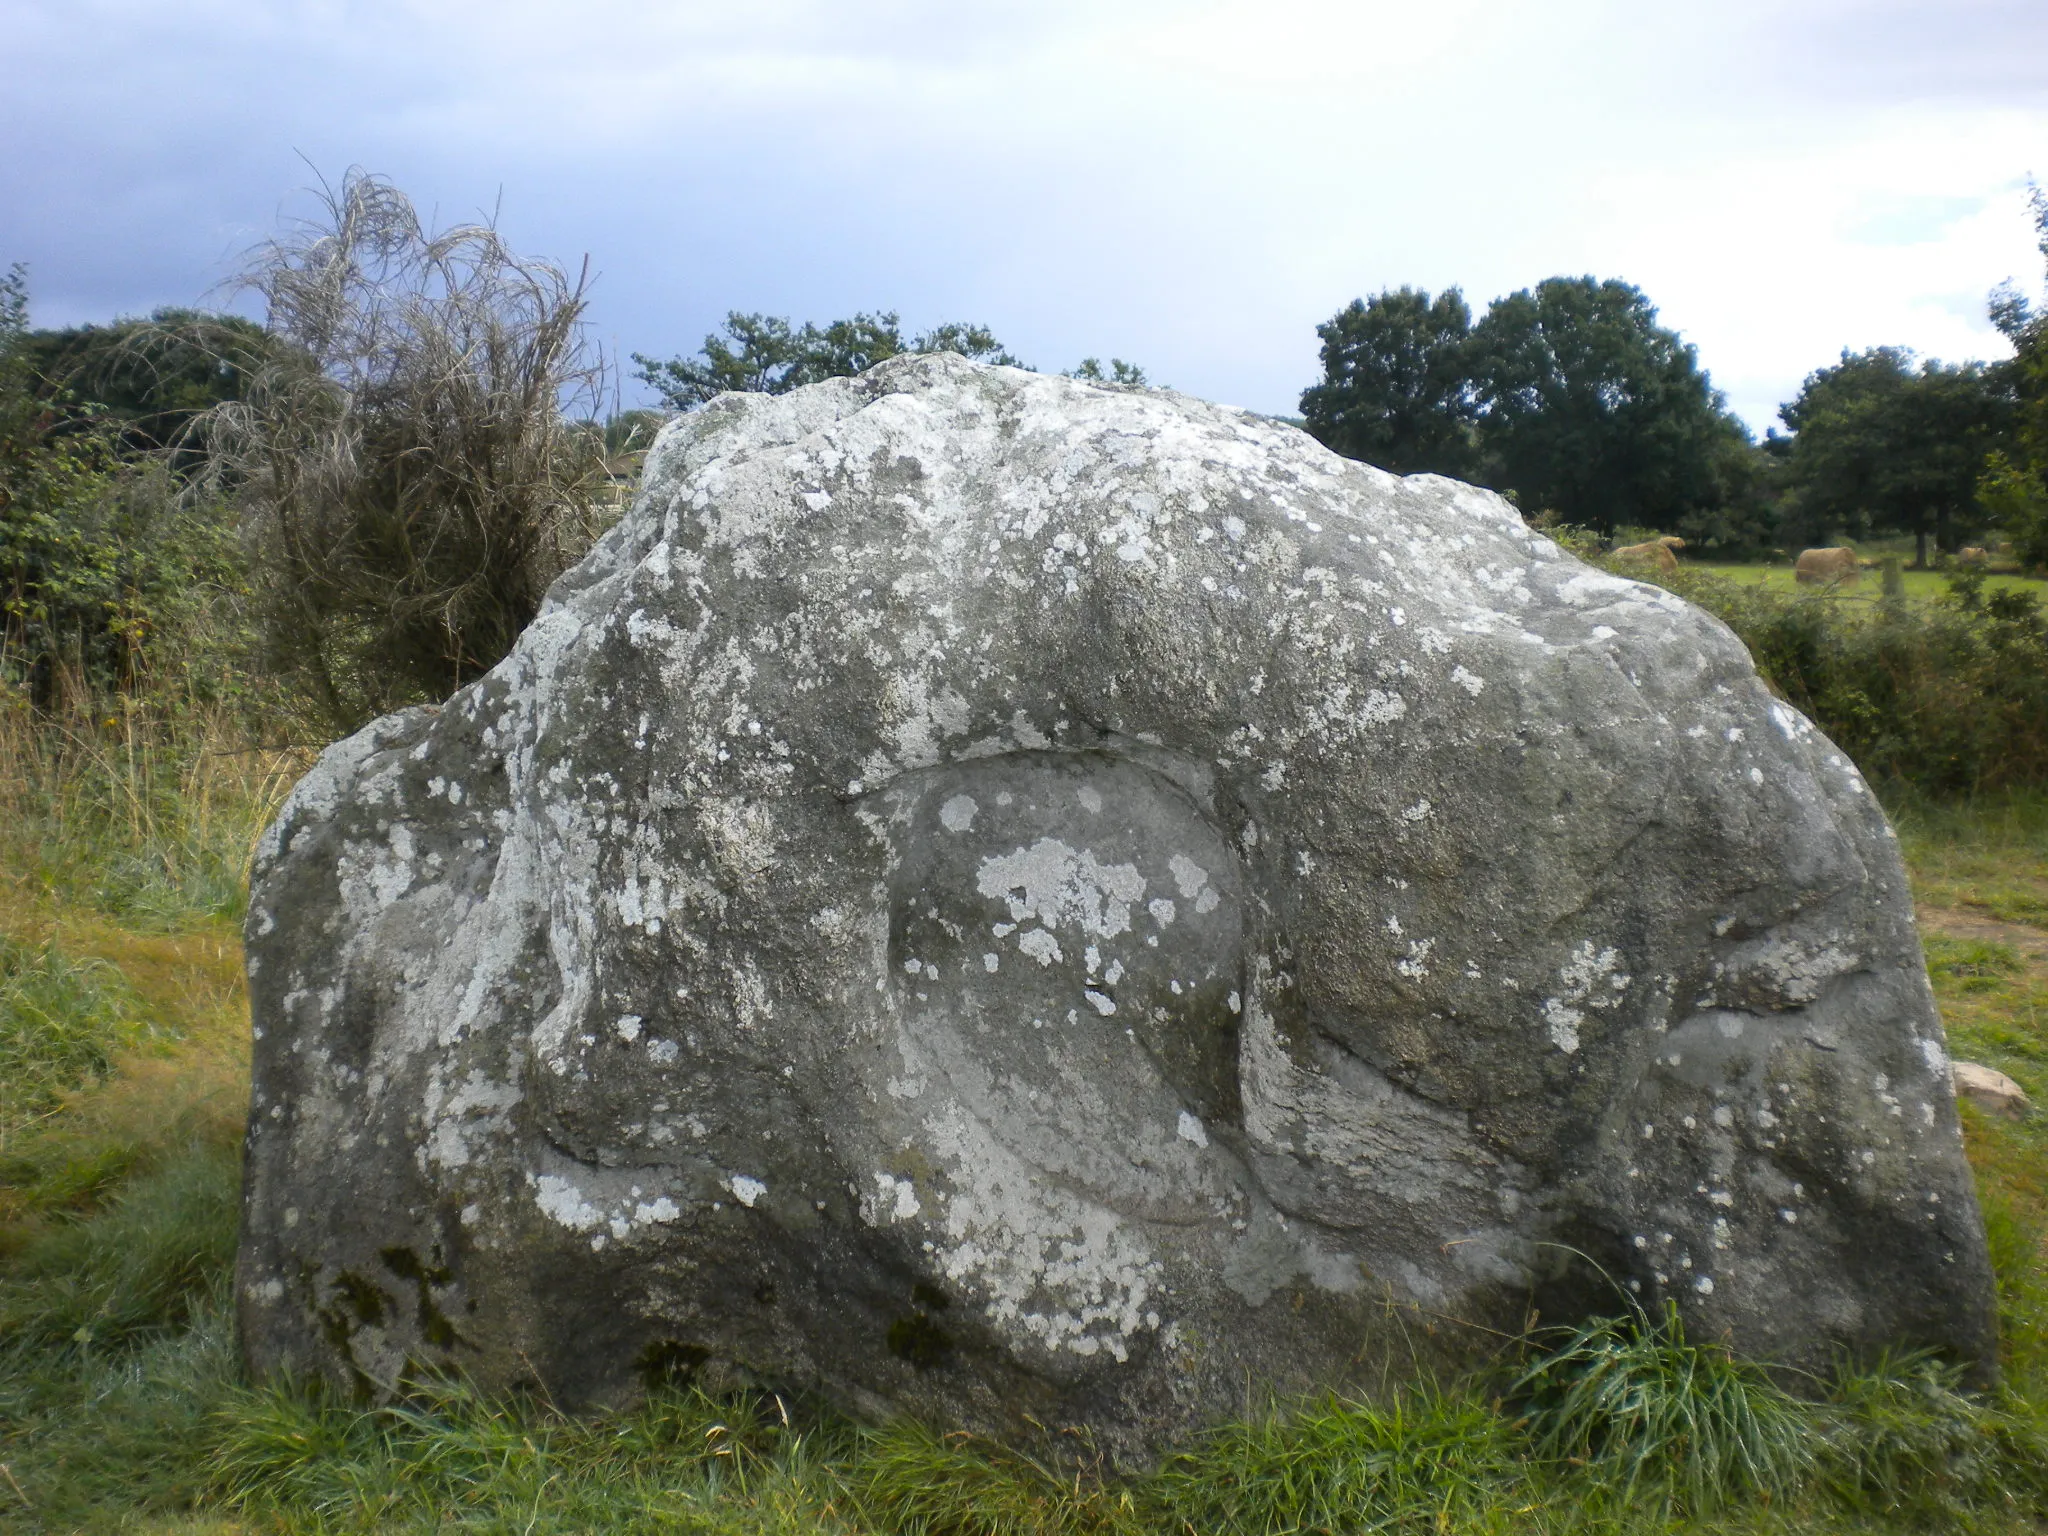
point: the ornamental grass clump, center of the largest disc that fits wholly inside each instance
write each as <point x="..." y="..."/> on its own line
<point x="1635" y="1403"/>
<point x="404" y="453"/>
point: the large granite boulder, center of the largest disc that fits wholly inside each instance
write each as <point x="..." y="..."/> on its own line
<point x="1018" y="900"/>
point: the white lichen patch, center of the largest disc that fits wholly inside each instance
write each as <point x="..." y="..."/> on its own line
<point x="1060" y="885"/>
<point x="563" y="1203"/>
<point x="478" y="1108"/>
<point x="1065" y="1272"/>
<point x="1037" y="944"/>
<point x="1592" y="980"/>
<point x="1564" y="1021"/>
<point x="897" y="1201"/>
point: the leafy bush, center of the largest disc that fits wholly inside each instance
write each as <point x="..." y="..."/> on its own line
<point x="109" y="574"/>
<point x="1948" y="698"/>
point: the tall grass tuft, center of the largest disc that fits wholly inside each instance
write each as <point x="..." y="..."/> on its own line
<point x="1426" y="1460"/>
<point x="136" y="1269"/>
<point x="144" y="805"/>
<point x="62" y="1021"/>
<point x="914" y="1479"/>
<point x="1635" y="1402"/>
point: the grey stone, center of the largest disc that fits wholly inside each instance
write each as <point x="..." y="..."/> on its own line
<point x="1018" y="900"/>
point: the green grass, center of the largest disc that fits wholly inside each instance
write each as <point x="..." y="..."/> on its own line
<point x="136" y="1268"/>
<point x="62" y="1021"/>
<point x="1687" y="1425"/>
<point x="1428" y="1458"/>
<point x="1988" y="856"/>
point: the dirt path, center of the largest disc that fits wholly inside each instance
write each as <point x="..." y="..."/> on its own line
<point x="1952" y="923"/>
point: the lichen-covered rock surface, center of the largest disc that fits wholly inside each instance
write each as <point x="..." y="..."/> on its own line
<point x="1022" y="901"/>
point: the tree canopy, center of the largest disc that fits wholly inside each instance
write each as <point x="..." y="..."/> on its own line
<point x="1592" y="410"/>
<point x="2014" y="490"/>
<point x="149" y="379"/>
<point x="1397" y="387"/>
<point x="765" y="354"/>
<point x="1882" y="444"/>
<point x="1568" y="395"/>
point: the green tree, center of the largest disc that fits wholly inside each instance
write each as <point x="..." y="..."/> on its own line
<point x="1884" y="445"/>
<point x="2015" y="487"/>
<point x="151" y="379"/>
<point x="1397" y="387"/>
<point x="765" y="354"/>
<point x="1591" y="410"/>
<point x="1118" y="372"/>
<point x="2014" y="495"/>
<point x="98" y="556"/>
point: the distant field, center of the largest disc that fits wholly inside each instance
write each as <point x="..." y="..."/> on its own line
<point x="1921" y="586"/>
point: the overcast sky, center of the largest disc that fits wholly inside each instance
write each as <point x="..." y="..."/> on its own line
<point x="1186" y="184"/>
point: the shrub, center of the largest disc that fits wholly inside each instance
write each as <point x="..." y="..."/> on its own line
<point x="1948" y="698"/>
<point x="107" y="572"/>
